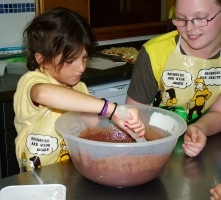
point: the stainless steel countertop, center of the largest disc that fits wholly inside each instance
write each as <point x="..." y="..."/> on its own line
<point x="184" y="178"/>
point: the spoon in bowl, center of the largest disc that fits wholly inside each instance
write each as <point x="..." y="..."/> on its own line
<point x="123" y="112"/>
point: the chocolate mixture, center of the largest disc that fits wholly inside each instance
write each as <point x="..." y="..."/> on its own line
<point x="154" y="133"/>
<point x="106" y="134"/>
<point x="121" y="170"/>
<point x="117" y="135"/>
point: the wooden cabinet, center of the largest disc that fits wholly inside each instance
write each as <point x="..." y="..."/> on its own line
<point x="113" y="19"/>
<point x="123" y="12"/>
<point x="80" y="6"/>
<point x="132" y="30"/>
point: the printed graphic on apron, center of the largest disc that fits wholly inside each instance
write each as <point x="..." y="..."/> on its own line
<point x="41" y="145"/>
<point x="64" y="154"/>
<point x="177" y="78"/>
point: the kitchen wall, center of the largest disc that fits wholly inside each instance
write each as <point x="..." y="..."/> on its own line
<point x="14" y="16"/>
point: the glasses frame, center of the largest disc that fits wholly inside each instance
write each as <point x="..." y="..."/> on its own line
<point x="192" y="20"/>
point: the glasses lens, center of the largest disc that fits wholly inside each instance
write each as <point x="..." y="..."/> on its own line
<point x="200" y="22"/>
<point x="195" y="22"/>
<point x="179" y="22"/>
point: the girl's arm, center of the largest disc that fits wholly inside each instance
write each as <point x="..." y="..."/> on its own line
<point x="62" y="98"/>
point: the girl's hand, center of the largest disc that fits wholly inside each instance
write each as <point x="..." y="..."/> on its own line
<point x="194" y="141"/>
<point x="216" y="192"/>
<point x="135" y="123"/>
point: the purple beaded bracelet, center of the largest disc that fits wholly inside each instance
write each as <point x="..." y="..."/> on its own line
<point x="104" y="109"/>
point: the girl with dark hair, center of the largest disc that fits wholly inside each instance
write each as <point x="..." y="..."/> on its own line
<point x="59" y="43"/>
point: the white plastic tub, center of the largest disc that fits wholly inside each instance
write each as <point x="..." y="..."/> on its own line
<point x="17" y="68"/>
<point x="34" y="192"/>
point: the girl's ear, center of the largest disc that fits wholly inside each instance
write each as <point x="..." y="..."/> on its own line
<point x="39" y="58"/>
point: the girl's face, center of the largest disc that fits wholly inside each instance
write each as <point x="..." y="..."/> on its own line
<point x="70" y="73"/>
<point x="207" y="38"/>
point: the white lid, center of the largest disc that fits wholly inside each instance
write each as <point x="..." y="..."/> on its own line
<point x="34" y="192"/>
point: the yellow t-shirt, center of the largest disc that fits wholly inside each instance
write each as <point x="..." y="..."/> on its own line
<point x="162" y="45"/>
<point x="37" y="142"/>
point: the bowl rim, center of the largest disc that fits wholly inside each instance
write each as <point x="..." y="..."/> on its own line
<point x="148" y="143"/>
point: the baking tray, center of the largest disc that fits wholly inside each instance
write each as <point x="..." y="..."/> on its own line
<point x="110" y="57"/>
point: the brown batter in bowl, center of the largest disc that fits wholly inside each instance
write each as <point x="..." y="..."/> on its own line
<point x="121" y="170"/>
<point x="106" y="134"/>
<point x="117" y="135"/>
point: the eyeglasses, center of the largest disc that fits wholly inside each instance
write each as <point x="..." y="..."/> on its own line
<point x="199" y="22"/>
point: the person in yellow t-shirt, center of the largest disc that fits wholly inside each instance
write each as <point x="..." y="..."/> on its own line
<point x="177" y="58"/>
<point x="59" y="43"/>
